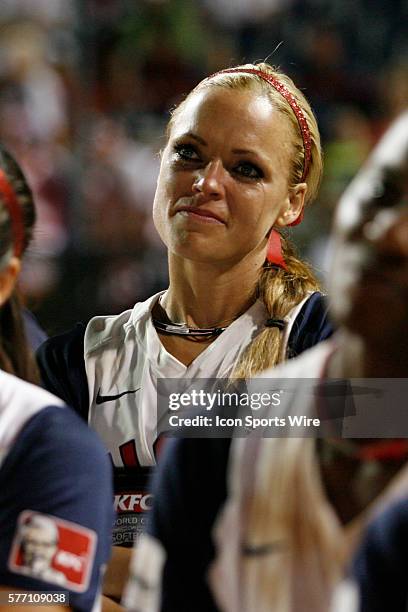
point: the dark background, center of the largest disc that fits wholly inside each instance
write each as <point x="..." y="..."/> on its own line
<point x="85" y="90"/>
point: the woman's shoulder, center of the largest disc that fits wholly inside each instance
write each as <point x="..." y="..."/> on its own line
<point x="102" y="330"/>
<point x="34" y="481"/>
<point x="29" y="413"/>
<point x="62" y="367"/>
<point x="111" y="330"/>
<point x="311" y="325"/>
<point x="39" y="424"/>
<point x="20" y="401"/>
<point x="65" y="343"/>
<point x="14" y="391"/>
<point x="61" y="359"/>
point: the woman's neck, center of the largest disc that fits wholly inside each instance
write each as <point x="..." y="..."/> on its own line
<point x="204" y="295"/>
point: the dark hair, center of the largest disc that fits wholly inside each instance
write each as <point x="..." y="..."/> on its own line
<point x="15" y="354"/>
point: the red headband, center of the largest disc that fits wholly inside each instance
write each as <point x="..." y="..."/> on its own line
<point x="9" y="198"/>
<point x="291" y="100"/>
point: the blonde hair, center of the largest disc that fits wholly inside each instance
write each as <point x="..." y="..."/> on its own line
<point x="253" y="82"/>
<point x="279" y="289"/>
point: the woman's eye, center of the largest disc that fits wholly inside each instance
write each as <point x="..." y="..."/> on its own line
<point x="248" y="170"/>
<point x="186" y="152"/>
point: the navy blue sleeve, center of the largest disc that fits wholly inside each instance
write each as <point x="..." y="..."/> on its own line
<point x="380" y="565"/>
<point x="59" y="471"/>
<point x="62" y="368"/>
<point x="312" y="325"/>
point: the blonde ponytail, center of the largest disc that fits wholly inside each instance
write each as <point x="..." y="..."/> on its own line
<point x="280" y="290"/>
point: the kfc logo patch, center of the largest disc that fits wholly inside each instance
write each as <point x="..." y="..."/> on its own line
<point x="133" y="502"/>
<point x="53" y="550"/>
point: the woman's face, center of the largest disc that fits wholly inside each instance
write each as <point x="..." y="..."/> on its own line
<point x="223" y="179"/>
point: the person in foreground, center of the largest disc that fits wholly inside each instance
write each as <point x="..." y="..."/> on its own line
<point x="311" y="499"/>
<point x="241" y="161"/>
<point x="296" y="506"/>
<point x="55" y="515"/>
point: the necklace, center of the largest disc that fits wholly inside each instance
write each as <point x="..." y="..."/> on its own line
<point x="189" y="333"/>
<point x="181" y="329"/>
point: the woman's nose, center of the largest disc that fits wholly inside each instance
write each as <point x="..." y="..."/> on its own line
<point x="210" y="181"/>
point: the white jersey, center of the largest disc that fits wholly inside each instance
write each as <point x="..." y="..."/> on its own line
<point x="124" y="357"/>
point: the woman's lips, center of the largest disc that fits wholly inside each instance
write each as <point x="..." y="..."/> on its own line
<point x="201" y="214"/>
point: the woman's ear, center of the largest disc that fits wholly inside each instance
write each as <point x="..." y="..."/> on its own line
<point x="293" y="207"/>
<point x="8" y="278"/>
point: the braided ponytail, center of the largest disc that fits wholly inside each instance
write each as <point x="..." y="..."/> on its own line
<point x="280" y="290"/>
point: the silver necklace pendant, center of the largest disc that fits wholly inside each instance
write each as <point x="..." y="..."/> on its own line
<point x="181" y="329"/>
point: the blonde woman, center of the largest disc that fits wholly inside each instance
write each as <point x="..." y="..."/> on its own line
<point x="242" y="161"/>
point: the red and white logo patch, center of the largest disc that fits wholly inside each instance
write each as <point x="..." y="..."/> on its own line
<point x="53" y="550"/>
<point x="133" y="501"/>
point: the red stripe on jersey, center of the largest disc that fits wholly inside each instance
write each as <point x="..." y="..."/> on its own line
<point x="128" y="454"/>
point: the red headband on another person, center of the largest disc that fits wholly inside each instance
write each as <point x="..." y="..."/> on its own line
<point x="291" y="100"/>
<point x="7" y="194"/>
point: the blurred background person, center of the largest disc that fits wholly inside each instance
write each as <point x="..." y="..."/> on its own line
<point x="297" y="511"/>
<point x="19" y="333"/>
